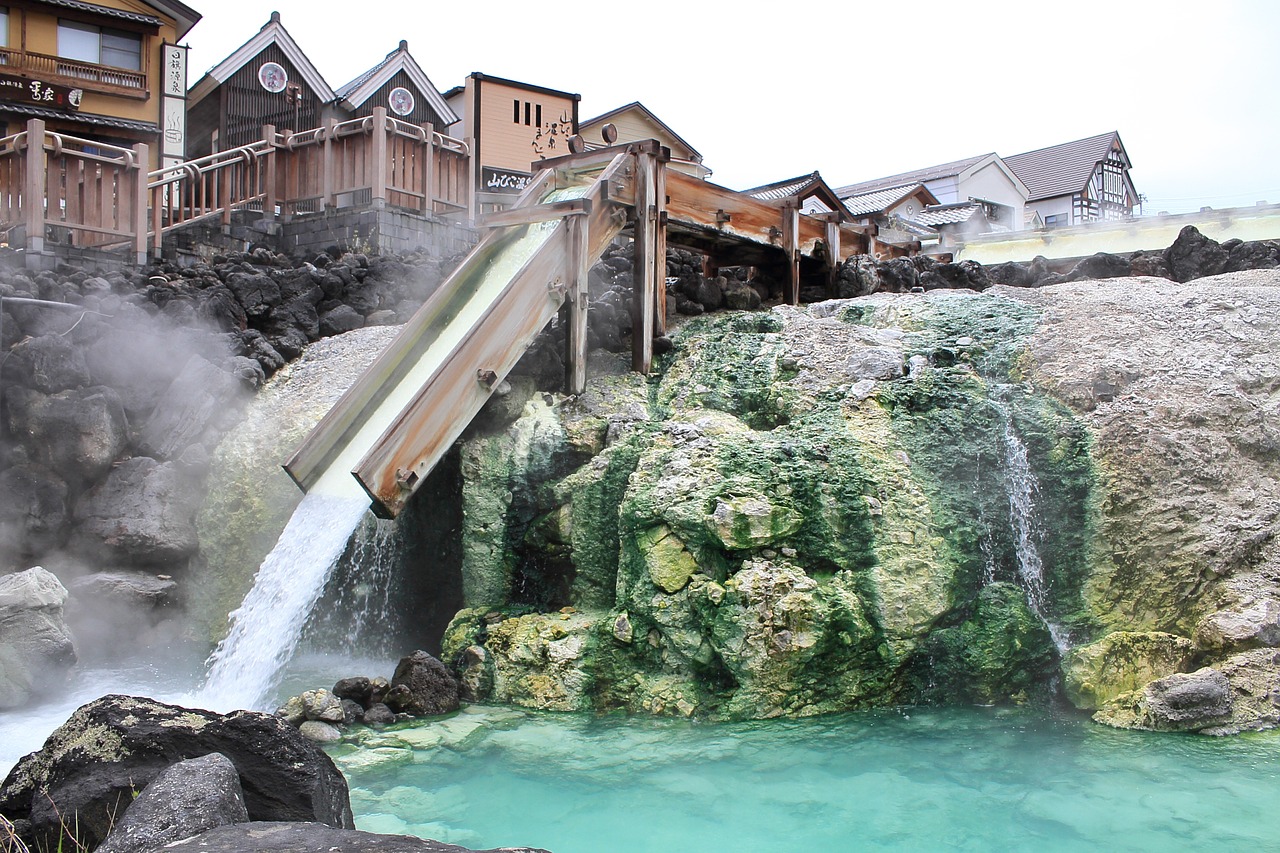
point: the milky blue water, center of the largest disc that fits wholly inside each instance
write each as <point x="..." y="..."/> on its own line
<point x="926" y="779"/>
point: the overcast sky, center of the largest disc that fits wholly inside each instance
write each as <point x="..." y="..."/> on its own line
<point x="857" y="90"/>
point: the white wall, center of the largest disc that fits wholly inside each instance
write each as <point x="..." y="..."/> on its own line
<point x="993" y="184"/>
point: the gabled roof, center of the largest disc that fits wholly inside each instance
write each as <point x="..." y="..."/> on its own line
<point x="273" y="32"/>
<point x="1063" y="169"/>
<point x="184" y="16"/>
<point x="636" y="106"/>
<point x="878" y="201"/>
<point x="810" y="187"/>
<point x="955" y="169"/>
<point x="359" y="90"/>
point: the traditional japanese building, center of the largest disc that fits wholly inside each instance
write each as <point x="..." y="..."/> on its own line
<point x="109" y="71"/>
<point x="399" y="84"/>
<point x="634" y="122"/>
<point x="267" y="80"/>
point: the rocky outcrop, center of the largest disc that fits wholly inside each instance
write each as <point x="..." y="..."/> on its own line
<point x="190" y="797"/>
<point x="36" y="649"/>
<point x="267" y="837"/>
<point x="110" y="749"/>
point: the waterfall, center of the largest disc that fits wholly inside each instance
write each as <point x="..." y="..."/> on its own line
<point x="246" y="665"/>
<point x="1023" y="490"/>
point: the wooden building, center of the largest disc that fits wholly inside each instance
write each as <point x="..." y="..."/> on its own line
<point x="634" y="122"/>
<point x="110" y="71"/>
<point x="508" y="125"/>
<point x="267" y="80"/>
<point x="399" y="84"/>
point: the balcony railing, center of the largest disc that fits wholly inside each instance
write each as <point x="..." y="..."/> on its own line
<point x="86" y="75"/>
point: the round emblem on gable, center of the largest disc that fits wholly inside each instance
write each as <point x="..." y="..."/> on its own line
<point x="272" y="76"/>
<point x="401" y="101"/>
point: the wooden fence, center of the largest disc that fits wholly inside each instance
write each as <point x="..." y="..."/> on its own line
<point x="90" y="194"/>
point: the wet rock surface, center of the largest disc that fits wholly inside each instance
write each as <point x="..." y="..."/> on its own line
<point x="36" y="648"/>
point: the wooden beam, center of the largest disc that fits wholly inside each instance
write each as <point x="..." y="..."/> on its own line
<point x="576" y="340"/>
<point x="33" y="186"/>
<point x="379" y="164"/>
<point x="833" y="249"/>
<point x="270" y="174"/>
<point x="138" y="215"/>
<point x="644" y="286"/>
<point x="660" y="248"/>
<point x="535" y="213"/>
<point x="791" y="244"/>
<point x="597" y="157"/>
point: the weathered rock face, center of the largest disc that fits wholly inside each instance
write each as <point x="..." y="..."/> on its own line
<point x="191" y="797"/>
<point x="430" y="687"/>
<point x="36" y="649"/>
<point x="808" y="510"/>
<point x="142" y="514"/>
<point x="272" y="837"/>
<point x="112" y="747"/>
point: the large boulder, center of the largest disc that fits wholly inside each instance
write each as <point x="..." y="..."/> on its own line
<point x="110" y="749"/>
<point x="432" y="689"/>
<point x="35" y="645"/>
<point x="33" y="509"/>
<point x="1193" y="255"/>
<point x="143" y="513"/>
<point x="307" y="837"/>
<point x="1180" y="702"/>
<point x="191" y="797"/>
<point x="196" y="400"/>
<point x="1121" y="662"/>
<point x="78" y="434"/>
<point x="48" y="363"/>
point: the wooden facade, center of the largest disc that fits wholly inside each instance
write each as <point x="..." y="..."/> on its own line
<point x="96" y="71"/>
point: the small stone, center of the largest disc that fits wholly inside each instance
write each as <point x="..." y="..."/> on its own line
<point x="379" y="714"/>
<point x="622" y="629"/>
<point x="292" y="711"/>
<point x="320" y="732"/>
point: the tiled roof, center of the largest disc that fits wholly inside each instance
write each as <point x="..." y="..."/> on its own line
<point x="273" y="32"/>
<point x="947" y="214"/>
<point x="879" y="201"/>
<point x="1061" y="169"/>
<point x="783" y="189"/>
<point x="79" y="5"/>
<point x="919" y="176"/>
<point x="85" y="118"/>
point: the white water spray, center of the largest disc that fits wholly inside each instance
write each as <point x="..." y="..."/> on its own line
<point x="1024" y="489"/>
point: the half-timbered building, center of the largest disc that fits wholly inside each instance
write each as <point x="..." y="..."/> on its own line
<point x="1078" y="182"/>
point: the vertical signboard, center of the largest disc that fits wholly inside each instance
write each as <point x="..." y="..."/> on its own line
<point x="173" y="104"/>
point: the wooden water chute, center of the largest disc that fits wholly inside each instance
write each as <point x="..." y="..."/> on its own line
<point x="467" y="337"/>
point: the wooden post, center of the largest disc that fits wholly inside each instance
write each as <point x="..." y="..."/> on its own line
<point x="326" y="166"/>
<point x="33" y="194"/>
<point x="379" y="164"/>
<point x="579" y="269"/>
<point x="643" y="298"/>
<point x="660" y="246"/>
<point x="269" y="177"/>
<point x="833" y="248"/>
<point x="429" y="169"/>
<point x="791" y="245"/>
<point x="224" y="178"/>
<point x="141" y="165"/>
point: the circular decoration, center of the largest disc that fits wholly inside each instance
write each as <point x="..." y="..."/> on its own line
<point x="272" y="76"/>
<point x="401" y="101"/>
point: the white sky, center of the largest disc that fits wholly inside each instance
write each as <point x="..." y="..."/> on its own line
<point x="855" y="89"/>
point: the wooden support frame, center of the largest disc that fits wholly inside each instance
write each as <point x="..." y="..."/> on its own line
<point x="576" y="340"/>
<point x="791" y="245"/>
<point x="138" y="215"/>
<point x="832" y="221"/>
<point x="33" y="187"/>
<point x="378" y="158"/>
<point x="535" y="213"/>
<point x="644" y="294"/>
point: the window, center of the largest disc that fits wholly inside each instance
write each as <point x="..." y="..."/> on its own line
<point x="99" y="45"/>
<point x="1056" y="220"/>
<point x="4" y="26"/>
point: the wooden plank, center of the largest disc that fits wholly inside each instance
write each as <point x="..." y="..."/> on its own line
<point x="576" y="340"/>
<point x="643" y="267"/>
<point x="141" y="159"/>
<point x="660" y="249"/>
<point x="535" y="213"/>
<point x="791" y="244"/>
<point x="377" y="164"/>
<point x="833" y="249"/>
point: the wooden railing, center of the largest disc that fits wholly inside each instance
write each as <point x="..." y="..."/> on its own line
<point x="74" y="191"/>
<point x="58" y="69"/>
<point x="90" y="194"/>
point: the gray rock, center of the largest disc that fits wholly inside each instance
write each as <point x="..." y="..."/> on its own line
<point x="1190" y="701"/>
<point x="356" y="688"/>
<point x="433" y="689"/>
<point x="78" y="434"/>
<point x="198" y="396"/>
<point x="309" y="837"/>
<point x="143" y="514"/>
<point x="322" y="705"/>
<point x="320" y="732"/>
<point x="191" y="797"/>
<point x="35" y="644"/>
<point x="109" y="749"/>
<point x="874" y="363"/>
<point x="131" y="589"/>
<point x="379" y="714"/>
<point x="33" y="509"/>
<point x="341" y="319"/>
<point x="49" y="363"/>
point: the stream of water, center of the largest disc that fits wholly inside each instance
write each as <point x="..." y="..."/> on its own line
<point x="979" y="779"/>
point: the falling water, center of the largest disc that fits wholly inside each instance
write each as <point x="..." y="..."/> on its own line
<point x="1023" y="490"/>
<point x="245" y="667"/>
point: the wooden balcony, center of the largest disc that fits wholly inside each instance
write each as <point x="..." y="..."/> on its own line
<point x="74" y="73"/>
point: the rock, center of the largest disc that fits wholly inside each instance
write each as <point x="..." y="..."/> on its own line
<point x="1251" y="626"/>
<point x="190" y="797"/>
<point x="1255" y="692"/>
<point x="342" y="318"/>
<point x="740" y="296"/>
<point x="292" y="711"/>
<point x="77" y="434"/>
<point x="874" y="363"/>
<point x="270" y="837"/>
<point x="1119" y="663"/>
<point x="35" y="646"/>
<point x="670" y="564"/>
<point x="143" y="513"/>
<point x="352" y="712"/>
<point x="1179" y="702"/>
<point x="357" y="688"/>
<point x="1101" y="265"/>
<point x="322" y="705"/>
<point x="433" y="689"/>
<point x="200" y="395"/>
<point x="379" y="714"/>
<point x="320" y="732"/>
<point x="131" y="589"/>
<point x="378" y="689"/>
<point x="752" y="522"/>
<point x="111" y="748"/>
<point x="1193" y="255"/>
<point x="33" y="509"/>
<point x="49" y="363"/>
<point x="257" y="293"/>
